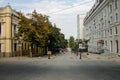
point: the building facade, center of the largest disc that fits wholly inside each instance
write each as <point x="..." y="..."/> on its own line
<point x="102" y="27"/>
<point x="8" y="27"/>
<point x="80" y="26"/>
<point x="9" y="46"/>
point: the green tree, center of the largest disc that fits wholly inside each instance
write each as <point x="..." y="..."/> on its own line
<point x="72" y="42"/>
<point x="34" y="29"/>
<point x="56" y="38"/>
<point x="62" y="41"/>
<point x="38" y="30"/>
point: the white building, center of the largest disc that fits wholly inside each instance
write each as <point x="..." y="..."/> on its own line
<point x="80" y="26"/>
<point x="102" y="27"/>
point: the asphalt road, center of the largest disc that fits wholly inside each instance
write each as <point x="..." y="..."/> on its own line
<point x="61" y="67"/>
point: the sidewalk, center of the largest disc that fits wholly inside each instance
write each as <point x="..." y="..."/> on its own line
<point x="93" y="56"/>
<point x="69" y="56"/>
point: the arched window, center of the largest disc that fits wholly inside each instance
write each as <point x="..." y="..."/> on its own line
<point x="110" y="8"/>
<point x="116" y="4"/>
<point x="116" y="17"/>
<point x="116" y="46"/>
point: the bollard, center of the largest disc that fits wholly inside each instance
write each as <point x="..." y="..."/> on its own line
<point x="49" y="54"/>
<point x="80" y="55"/>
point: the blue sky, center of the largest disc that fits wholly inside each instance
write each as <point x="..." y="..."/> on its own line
<point x="62" y="12"/>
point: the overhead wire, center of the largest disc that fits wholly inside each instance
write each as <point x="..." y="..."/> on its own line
<point x="69" y="7"/>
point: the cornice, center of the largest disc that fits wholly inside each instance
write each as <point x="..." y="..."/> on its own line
<point x="96" y="11"/>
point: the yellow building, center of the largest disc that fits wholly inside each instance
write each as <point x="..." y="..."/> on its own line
<point x="9" y="45"/>
<point x="8" y="27"/>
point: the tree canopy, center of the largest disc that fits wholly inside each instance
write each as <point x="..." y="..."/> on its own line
<point x="72" y="42"/>
<point x="38" y="30"/>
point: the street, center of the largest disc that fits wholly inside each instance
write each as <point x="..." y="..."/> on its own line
<point x="61" y="67"/>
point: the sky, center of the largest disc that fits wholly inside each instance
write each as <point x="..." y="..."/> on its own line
<point x="61" y="12"/>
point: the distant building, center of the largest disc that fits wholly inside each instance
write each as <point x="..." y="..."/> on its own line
<point x="102" y="27"/>
<point x="8" y="28"/>
<point x="80" y="26"/>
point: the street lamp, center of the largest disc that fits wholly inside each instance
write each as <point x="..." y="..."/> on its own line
<point x="80" y="50"/>
<point x="48" y="50"/>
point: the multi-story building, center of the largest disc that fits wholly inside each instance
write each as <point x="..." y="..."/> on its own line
<point x="8" y="28"/>
<point x="80" y="26"/>
<point x="102" y="27"/>
<point x="10" y="45"/>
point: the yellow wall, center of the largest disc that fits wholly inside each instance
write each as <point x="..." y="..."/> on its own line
<point x="6" y="39"/>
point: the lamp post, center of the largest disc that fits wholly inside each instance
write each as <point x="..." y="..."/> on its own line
<point x="54" y="50"/>
<point x="80" y="50"/>
<point x="48" y="50"/>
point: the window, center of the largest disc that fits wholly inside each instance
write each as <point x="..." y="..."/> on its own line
<point x="0" y="48"/>
<point x="110" y="32"/>
<point x="110" y="8"/>
<point x="14" y="28"/>
<point x="116" y="4"/>
<point x="15" y="47"/>
<point x="105" y="43"/>
<point x="104" y="34"/>
<point x="111" y="46"/>
<point x="116" y="17"/>
<point x="98" y="34"/>
<point x="105" y="23"/>
<point x="102" y="25"/>
<point x="0" y="28"/>
<point x="111" y="20"/>
<point x="116" y="46"/>
<point x="116" y="30"/>
<point x="99" y="26"/>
